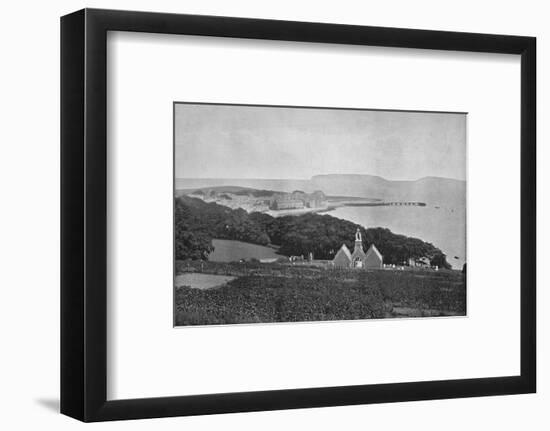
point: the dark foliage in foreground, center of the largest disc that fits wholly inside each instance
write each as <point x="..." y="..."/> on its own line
<point x="197" y="222"/>
<point x="282" y="293"/>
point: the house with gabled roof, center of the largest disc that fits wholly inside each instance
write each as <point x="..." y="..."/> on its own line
<point x="372" y="259"/>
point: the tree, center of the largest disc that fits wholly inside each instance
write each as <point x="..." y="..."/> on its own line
<point x="440" y="260"/>
<point x="189" y="242"/>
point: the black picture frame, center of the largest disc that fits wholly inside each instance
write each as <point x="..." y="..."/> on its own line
<point x="84" y="214"/>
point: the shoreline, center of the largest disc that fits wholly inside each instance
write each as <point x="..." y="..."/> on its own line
<point x="334" y="205"/>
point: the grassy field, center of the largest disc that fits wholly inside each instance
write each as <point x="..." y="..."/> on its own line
<point x="229" y="250"/>
<point x="283" y="293"/>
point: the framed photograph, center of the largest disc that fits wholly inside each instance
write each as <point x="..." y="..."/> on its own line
<point x="262" y="234"/>
<point x="262" y="215"/>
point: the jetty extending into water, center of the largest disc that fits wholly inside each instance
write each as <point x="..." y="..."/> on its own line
<point x="382" y="204"/>
<point x="352" y="202"/>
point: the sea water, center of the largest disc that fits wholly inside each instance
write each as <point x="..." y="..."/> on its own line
<point x="444" y="227"/>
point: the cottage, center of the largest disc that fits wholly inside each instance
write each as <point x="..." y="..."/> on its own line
<point x="372" y="259"/>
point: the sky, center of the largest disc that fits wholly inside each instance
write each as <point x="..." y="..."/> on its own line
<point x="235" y="141"/>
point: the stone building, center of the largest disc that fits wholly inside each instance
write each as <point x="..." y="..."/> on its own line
<point x="298" y="200"/>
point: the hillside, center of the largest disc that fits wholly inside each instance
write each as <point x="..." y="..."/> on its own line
<point x="284" y="293"/>
<point x="280" y="185"/>
<point x="197" y="223"/>
<point x="238" y="190"/>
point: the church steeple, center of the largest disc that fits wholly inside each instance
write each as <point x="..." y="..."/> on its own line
<point x="358" y="240"/>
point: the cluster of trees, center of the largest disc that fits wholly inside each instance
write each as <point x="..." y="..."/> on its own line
<point x="400" y="248"/>
<point x="192" y="240"/>
<point x="197" y="222"/>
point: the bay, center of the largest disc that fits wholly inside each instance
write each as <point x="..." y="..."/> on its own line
<point x="444" y="227"/>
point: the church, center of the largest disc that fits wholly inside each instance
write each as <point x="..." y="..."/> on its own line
<point x="372" y="259"/>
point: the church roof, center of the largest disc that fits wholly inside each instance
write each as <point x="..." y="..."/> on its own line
<point x="344" y="250"/>
<point x="373" y="249"/>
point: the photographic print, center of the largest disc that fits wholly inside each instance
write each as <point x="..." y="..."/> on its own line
<point x="301" y="214"/>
